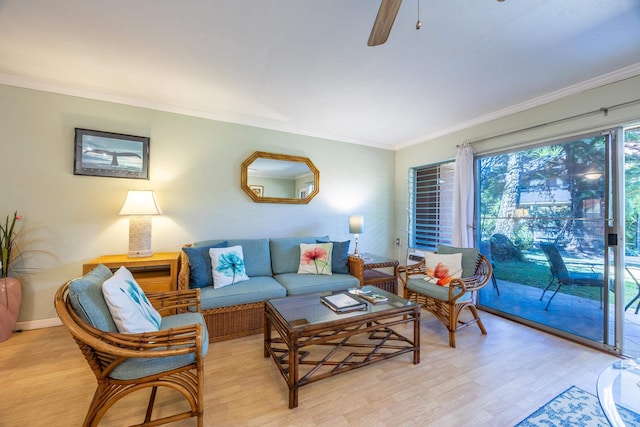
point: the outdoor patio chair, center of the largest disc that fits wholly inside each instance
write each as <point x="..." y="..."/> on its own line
<point x="446" y="303"/>
<point x="126" y="363"/>
<point x="563" y="277"/>
<point x="637" y="296"/>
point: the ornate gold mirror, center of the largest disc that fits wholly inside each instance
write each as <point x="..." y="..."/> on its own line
<point x="279" y="178"/>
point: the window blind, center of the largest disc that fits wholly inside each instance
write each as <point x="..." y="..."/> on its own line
<point x="431" y="206"/>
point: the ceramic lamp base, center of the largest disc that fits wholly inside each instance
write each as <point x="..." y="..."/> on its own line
<point x="139" y="237"/>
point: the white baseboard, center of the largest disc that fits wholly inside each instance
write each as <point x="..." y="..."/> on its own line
<point x="38" y="324"/>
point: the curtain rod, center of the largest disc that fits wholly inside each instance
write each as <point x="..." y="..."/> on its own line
<point x="604" y="110"/>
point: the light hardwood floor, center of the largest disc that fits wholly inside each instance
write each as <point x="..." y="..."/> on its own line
<point x="492" y="380"/>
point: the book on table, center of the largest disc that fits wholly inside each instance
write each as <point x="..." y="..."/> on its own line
<point x="341" y="303"/>
<point x="372" y="297"/>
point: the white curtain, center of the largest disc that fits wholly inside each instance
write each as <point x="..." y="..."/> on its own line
<point x="463" y="192"/>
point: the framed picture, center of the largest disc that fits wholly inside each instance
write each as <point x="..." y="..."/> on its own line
<point x="109" y="154"/>
<point x="257" y="189"/>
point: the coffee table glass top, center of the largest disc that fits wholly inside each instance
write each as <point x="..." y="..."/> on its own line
<point x="619" y="385"/>
<point x="307" y="310"/>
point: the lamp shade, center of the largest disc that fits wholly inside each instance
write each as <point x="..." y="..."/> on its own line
<point x="140" y="202"/>
<point x="356" y="224"/>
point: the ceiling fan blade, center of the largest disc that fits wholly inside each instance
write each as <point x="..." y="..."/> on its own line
<point x="384" y="21"/>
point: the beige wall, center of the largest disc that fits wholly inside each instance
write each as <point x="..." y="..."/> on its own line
<point x="444" y="148"/>
<point x="195" y="173"/>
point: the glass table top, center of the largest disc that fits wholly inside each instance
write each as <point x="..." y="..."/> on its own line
<point x="306" y="310"/>
<point x="619" y="384"/>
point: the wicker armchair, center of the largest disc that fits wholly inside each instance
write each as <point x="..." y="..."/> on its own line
<point x="446" y="303"/>
<point x="126" y="363"/>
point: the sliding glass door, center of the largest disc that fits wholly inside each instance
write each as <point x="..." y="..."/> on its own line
<point x="630" y="318"/>
<point x="547" y="220"/>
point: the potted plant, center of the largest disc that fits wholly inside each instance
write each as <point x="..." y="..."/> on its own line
<point x="10" y="287"/>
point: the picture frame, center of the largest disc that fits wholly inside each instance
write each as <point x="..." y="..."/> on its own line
<point x="109" y="154"/>
<point x="257" y="189"/>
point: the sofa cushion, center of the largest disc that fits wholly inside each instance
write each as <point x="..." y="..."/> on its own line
<point x="469" y="258"/>
<point x="85" y="295"/>
<point x="257" y="259"/>
<point x="142" y="367"/>
<point x="339" y="256"/>
<point x="285" y="253"/>
<point x="200" y="264"/>
<point x="299" y="284"/>
<point x="131" y="310"/>
<point x="434" y="291"/>
<point x="255" y="289"/>
<point x="315" y="258"/>
<point x="227" y="266"/>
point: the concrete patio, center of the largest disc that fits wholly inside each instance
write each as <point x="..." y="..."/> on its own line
<point x="579" y="316"/>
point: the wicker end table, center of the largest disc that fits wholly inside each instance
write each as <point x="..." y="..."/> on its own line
<point x="381" y="272"/>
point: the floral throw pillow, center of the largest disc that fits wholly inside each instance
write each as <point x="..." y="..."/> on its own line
<point x="441" y="269"/>
<point x="227" y="266"/>
<point x="315" y="258"/>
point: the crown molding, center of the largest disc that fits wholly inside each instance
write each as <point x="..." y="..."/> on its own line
<point x="612" y="77"/>
<point x="137" y="102"/>
<point x="605" y="79"/>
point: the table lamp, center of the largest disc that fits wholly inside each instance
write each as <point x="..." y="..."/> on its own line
<point x="140" y="205"/>
<point x="356" y="227"/>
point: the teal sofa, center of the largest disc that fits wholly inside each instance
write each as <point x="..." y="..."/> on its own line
<point x="272" y="266"/>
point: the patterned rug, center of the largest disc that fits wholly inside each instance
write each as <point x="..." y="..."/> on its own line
<point x="575" y="407"/>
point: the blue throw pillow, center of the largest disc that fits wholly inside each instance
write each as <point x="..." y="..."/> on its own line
<point x="200" y="265"/>
<point x="339" y="256"/>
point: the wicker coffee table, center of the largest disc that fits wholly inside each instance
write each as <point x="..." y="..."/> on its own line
<point x="309" y="342"/>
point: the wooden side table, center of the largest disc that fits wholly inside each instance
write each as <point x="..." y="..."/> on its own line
<point x="157" y="273"/>
<point x="380" y="272"/>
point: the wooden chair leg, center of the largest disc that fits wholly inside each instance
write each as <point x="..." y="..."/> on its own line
<point x="152" y="401"/>
<point x="476" y="315"/>
<point x="453" y="325"/>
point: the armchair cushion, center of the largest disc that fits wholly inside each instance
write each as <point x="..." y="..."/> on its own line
<point x="131" y="310"/>
<point x="200" y="264"/>
<point x="85" y="295"/>
<point x="432" y="290"/>
<point x="469" y="258"/>
<point x="141" y="367"/>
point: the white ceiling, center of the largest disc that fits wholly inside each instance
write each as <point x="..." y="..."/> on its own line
<point x="303" y="66"/>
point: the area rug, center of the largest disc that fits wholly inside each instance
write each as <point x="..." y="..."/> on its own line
<point x="575" y="407"/>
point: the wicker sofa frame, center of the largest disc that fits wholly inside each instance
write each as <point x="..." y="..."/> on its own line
<point x="224" y="323"/>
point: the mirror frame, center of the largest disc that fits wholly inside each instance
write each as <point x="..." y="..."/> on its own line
<point x="244" y="177"/>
